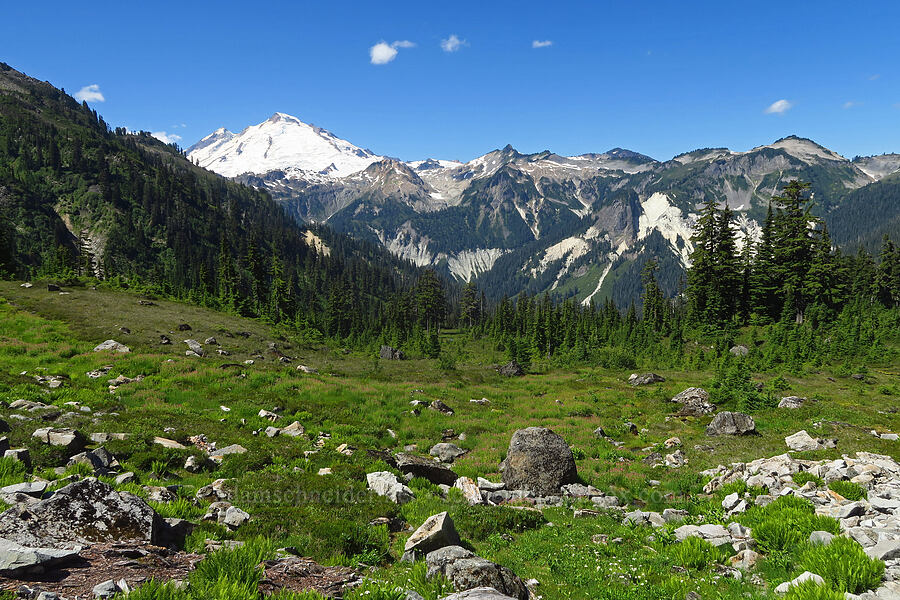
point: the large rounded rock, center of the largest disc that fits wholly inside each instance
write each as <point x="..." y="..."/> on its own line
<point x="731" y="423"/>
<point x="694" y="402"/>
<point x="539" y="461"/>
<point x="482" y="593"/>
<point x="15" y="559"/>
<point x="467" y="572"/>
<point x="645" y="379"/>
<point x="385" y="483"/>
<point x="84" y="512"/>
<point x="426" y="468"/>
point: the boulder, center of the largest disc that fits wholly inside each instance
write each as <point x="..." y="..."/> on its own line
<point x="295" y="429"/>
<point x="739" y="350"/>
<point x="805" y="576"/>
<point x="429" y="469"/>
<point x="70" y="439"/>
<point x="35" y="489"/>
<point x="538" y="460"/>
<point x="446" y="452"/>
<point x="99" y="459"/>
<point x="21" y="455"/>
<point x="389" y="353"/>
<point x="791" y="402"/>
<point x="470" y="490"/>
<point x="84" y="512"/>
<point x="803" y="442"/>
<point x="436" y="532"/>
<point x="885" y="550"/>
<point x="481" y="593"/>
<point x="820" y="538"/>
<point x="112" y="346"/>
<point x="511" y="369"/>
<point x="645" y="379"/>
<point x="16" y="559"/>
<point x="195" y="347"/>
<point x="214" y="492"/>
<point x="731" y="423"/>
<point x="691" y="394"/>
<point x="385" y="483"/>
<point x="466" y="571"/>
<point x="234" y="517"/>
<point x="221" y="453"/>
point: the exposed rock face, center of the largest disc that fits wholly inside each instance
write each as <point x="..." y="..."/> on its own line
<point x="83" y="512"/>
<point x="470" y="490"/>
<point x="385" y="483"/>
<point x="436" y="532"/>
<point x="467" y="572"/>
<point x="645" y="379"/>
<point x="389" y="353"/>
<point x="731" y="423"/>
<point x="539" y="461"/>
<point x="511" y="369"/>
<point x="70" y="439"/>
<point x="426" y="468"/>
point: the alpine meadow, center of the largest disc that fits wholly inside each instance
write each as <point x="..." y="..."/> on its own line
<point x="276" y="364"/>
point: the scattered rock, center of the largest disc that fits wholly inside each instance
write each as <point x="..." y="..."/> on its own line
<point x="389" y="353"/>
<point x="21" y="455"/>
<point x="731" y="423"/>
<point x="694" y="402"/>
<point x="645" y="379"/>
<point x="184" y="327"/>
<point x="71" y="439"/>
<point x="436" y="532"/>
<point x="511" y="369"/>
<point x="806" y="575"/>
<point x="446" y="452"/>
<point x="739" y="350"/>
<point x="112" y="346"/>
<point x="195" y="347"/>
<point x="791" y="402"/>
<point x="539" y="461"/>
<point x="803" y="442"/>
<point x="439" y="406"/>
<point x="220" y="454"/>
<point x="167" y="443"/>
<point x="480" y="401"/>
<point x="481" y="593"/>
<point x="470" y="572"/>
<point x="295" y="429"/>
<point x="429" y="469"/>
<point x="307" y="370"/>
<point x="470" y="490"/>
<point x="385" y="483"/>
<point x="268" y="415"/>
<point x="822" y="538"/>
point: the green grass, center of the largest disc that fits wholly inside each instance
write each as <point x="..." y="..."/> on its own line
<point x="356" y="400"/>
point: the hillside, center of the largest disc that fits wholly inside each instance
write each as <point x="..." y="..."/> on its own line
<point x="308" y="492"/>
<point x="77" y="198"/>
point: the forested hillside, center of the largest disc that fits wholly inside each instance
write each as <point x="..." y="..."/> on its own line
<point x="77" y="198"/>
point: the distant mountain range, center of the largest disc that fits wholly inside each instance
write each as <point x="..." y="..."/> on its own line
<point x="578" y="226"/>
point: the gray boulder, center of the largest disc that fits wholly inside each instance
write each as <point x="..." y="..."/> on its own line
<point x="539" y="461"/>
<point x="16" y="559"/>
<point x="739" y="350"/>
<point x="645" y="379"/>
<point x="84" y="512"/>
<point x="195" y="347"/>
<point x="70" y="439"/>
<point x="791" y="402"/>
<point x="694" y="402"/>
<point x="385" y="483"/>
<point x="511" y="369"/>
<point x="112" y="346"/>
<point x="436" y="532"/>
<point x="731" y="423"/>
<point x="389" y="353"/>
<point x="426" y="468"/>
<point x="482" y="593"/>
<point x="446" y="452"/>
<point x="803" y="442"/>
<point x="469" y="572"/>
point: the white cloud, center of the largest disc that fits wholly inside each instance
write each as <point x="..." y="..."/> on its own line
<point x="167" y="138"/>
<point x="541" y="43"/>
<point x="453" y="43"/>
<point x="382" y="53"/>
<point x="850" y="104"/>
<point x="779" y="107"/>
<point x="874" y="77"/>
<point x="90" y="93"/>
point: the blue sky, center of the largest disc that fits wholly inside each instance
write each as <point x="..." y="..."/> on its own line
<point x="655" y="77"/>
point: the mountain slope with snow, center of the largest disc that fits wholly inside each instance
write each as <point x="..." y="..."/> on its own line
<point x="579" y="226"/>
<point x="282" y="142"/>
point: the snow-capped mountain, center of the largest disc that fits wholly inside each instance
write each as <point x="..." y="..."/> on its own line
<point x="578" y="225"/>
<point x="282" y="142"/>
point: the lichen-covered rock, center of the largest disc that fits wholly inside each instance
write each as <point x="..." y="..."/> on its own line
<point x="466" y="571"/>
<point x="731" y="423"/>
<point x="436" y="532"/>
<point x="538" y="460"/>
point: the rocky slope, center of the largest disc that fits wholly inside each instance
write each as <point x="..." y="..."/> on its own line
<point x="579" y="226"/>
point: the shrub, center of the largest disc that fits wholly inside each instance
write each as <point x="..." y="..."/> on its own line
<point x="844" y="566"/>
<point x="848" y="489"/>
<point x="805" y="477"/>
<point x="155" y="589"/>
<point x="695" y="553"/>
<point x="786" y="523"/>
<point x="810" y="590"/>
